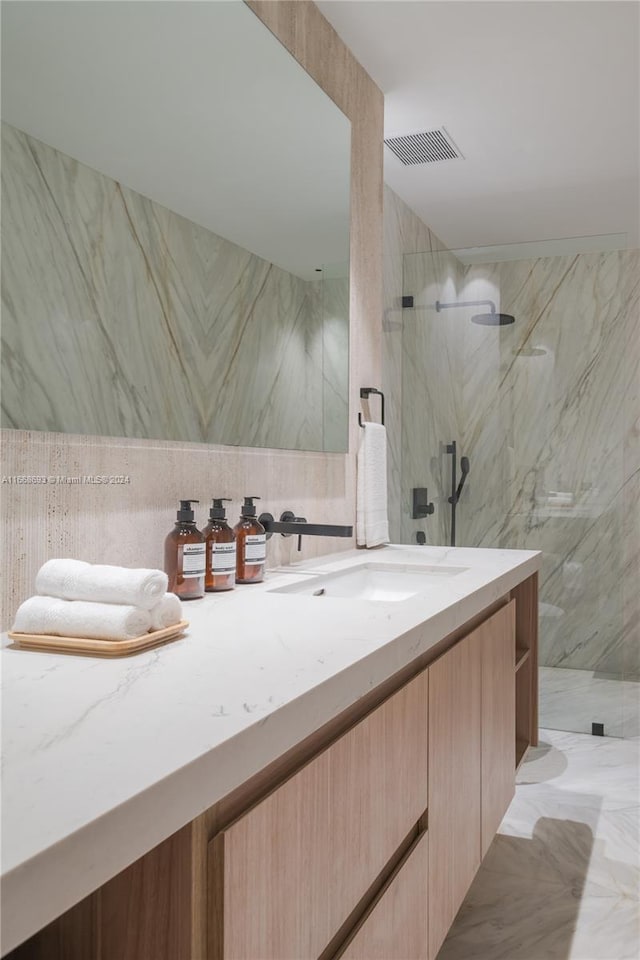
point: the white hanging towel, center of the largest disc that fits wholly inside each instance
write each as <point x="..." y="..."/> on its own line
<point x="372" y="522"/>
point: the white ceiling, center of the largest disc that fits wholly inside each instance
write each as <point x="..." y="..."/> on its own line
<point x="542" y="99"/>
<point x="195" y="105"/>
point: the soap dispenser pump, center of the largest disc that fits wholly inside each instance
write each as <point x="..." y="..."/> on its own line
<point x="251" y="545"/>
<point x="220" y="541"/>
<point x="184" y="555"/>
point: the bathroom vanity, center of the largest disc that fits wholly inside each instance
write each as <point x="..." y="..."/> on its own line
<point x="315" y="771"/>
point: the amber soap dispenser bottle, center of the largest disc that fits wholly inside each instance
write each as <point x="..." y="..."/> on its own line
<point x="220" y="541"/>
<point x="251" y="545"/>
<point x="184" y="555"/>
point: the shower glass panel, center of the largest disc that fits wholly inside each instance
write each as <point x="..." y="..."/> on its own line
<point x="546" y="410"/>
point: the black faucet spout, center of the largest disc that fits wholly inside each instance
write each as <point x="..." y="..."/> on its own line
<point x="309" y="529"/>
<point x="299" y="527"/>
<point x="290" y="525"/>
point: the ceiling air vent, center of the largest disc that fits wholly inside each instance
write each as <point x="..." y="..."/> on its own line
<point x="425" y="147"/>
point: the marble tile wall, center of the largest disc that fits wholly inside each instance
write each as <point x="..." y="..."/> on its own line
<point x="548" y="412"/>
<point x="126" y="523"/>
<point x="561" y="417"/>
<point x="121" y="318"/>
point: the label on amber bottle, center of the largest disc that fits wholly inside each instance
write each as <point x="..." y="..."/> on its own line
<point x="223" y="557"/>
<point x="193" y="559"/>
<point x="255" y="548"/>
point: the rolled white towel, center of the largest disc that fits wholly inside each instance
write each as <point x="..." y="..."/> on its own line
<point x="76" y="580"/>
<point x="80" y="618"/>
<point x="166" y="613"/>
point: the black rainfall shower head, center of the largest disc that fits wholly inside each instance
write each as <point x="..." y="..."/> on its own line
<point x="493" y="319"/>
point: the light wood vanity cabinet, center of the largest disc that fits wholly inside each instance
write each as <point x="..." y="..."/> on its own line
<point x="360" y="844"/>
<point x="498" y="709"/>
<point x="454" y="769"/>
<point x="287" y="875"/>
<point x="444" y="741"/>
<point x="471" y="761"/>
<point x="396" y="926"/>
<point x="378" y="780"/>
<point x="269" y="874"/>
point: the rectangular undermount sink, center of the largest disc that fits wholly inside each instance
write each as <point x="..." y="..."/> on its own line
<point x="377" y="582"/>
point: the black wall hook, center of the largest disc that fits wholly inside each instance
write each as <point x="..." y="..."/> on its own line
<point x="364" y="395"/>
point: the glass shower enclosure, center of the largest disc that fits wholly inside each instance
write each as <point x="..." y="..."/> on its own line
<point x="545" y="409"/>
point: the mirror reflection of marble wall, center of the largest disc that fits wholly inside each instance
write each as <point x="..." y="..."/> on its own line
<point x="172" y="226"/>
<point x="122" y="318"/>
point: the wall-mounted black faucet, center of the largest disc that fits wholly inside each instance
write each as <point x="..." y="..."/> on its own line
<point x="289" y="525"/>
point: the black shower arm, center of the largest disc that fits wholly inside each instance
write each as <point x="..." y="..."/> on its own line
<point x="466" y="303"/>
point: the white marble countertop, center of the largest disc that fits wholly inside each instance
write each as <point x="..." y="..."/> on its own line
<point x="104" y="759"/>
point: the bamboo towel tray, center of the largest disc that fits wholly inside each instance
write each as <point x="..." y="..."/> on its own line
<point x="99" y="648"/>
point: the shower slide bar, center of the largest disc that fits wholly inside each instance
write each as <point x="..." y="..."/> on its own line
<point x="456" y="488"/>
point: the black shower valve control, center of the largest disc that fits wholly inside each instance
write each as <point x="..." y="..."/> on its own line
<point x="421" y="505"/>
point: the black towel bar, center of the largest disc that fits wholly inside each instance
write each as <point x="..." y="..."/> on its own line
<point x="364" y="395"/>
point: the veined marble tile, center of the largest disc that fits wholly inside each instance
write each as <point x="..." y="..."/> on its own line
<point x="578" y="698"/>
<point x="561" y="878"/>
<point x="121" y="318"/>
<point x="565" y="375"/>
<point x="508" y="918"/>
<point x="548" y="412"/>
<point x="580" y="845"/>
<point x="600" y="771"/>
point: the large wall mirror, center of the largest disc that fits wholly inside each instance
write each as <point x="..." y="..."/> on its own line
<point x="175" y="229"/>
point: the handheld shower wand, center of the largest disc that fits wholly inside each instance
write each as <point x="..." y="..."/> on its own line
<point x="464" y="470"/>
<point x="456" y="490"/>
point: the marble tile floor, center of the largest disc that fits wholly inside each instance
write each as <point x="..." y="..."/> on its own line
<point x="573" y="699"/>
<point x="561" y="880"/>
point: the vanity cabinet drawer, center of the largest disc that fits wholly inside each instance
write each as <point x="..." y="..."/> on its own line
<point x="287" y="874"/>
<point x="396" y="926"/>
<point x="378" y="791"/>
<point x="269" y="875"/>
